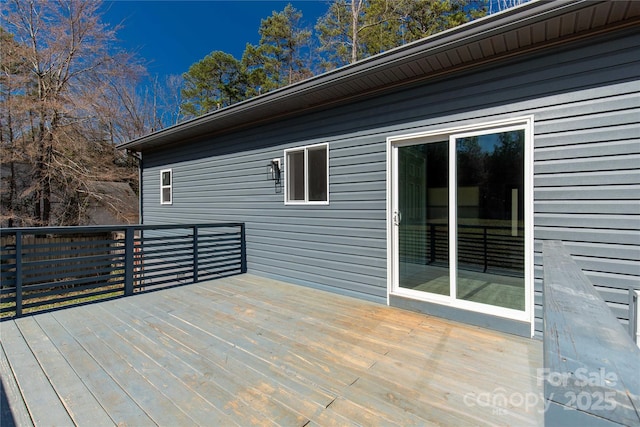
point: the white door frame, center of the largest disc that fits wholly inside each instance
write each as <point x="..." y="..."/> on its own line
<point x="450" y="134"/>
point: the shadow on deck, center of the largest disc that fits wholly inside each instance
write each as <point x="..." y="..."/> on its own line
<point x="245" y="350"/>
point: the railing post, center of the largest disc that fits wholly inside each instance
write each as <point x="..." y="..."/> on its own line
<point x="128" y="260"/>
<point x="18" y="273"/>
<point x="486" y="256"/>
<point x="195" y="254"/>
<point x="243" y="249"/>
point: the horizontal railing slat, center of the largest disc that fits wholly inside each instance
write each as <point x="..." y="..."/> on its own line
<point x="64" y="285"/>
<point x="61" y="291"/>
<point x="73" y="297"/>
<point x="65" y="270"/>
<point x="80" y="260"/>
<point x="77" y="244"/>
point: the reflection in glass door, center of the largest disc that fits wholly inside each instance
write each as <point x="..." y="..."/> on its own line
<point x="423" y="206"/>
<point x="490" y="218"/>
<point x="459" y="216"/>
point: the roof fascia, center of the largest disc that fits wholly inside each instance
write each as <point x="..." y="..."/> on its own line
<point x="510" y="19"/>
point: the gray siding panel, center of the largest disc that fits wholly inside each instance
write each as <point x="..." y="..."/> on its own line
<point x="629" y="207"/>
<point x="593" y="178"/>
<point x="585" y="100"/>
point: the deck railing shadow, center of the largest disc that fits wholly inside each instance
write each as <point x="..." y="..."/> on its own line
<point x="48" y="267"/>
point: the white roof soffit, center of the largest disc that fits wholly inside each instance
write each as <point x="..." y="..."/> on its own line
<point x="523" y="28"/>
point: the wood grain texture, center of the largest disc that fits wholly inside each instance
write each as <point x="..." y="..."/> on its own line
<point x="245" y="350"/>
<point x="15" y="414"/>
<point x="586" y="344"/>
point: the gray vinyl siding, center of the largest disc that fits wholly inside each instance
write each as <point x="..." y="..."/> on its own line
<point x="284" y="241"/>
<point x="585" y="102"/>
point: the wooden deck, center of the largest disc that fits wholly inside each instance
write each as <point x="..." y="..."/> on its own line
<point x="250" y="351"/>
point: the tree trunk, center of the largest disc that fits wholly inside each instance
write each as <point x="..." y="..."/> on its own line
<point x="40" y="172"/>
<point x="12" y="193"/>
<point x="355" y="12"/>
<point x="46" y="189"/>
<point x="12" y="166"/>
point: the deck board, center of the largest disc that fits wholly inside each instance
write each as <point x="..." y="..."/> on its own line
<point x="215" y="374"/>
<point x="118" y="404"/>
<point x="132" y="371"/>
<point x="150" y="361"/>
<point x="251" y="351"/>
<point x="32" y="381"/>
<point x="16" y="414"/>
<point x="78" y="400"/>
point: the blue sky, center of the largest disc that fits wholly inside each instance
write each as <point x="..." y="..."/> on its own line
<point x="172" y="35"/>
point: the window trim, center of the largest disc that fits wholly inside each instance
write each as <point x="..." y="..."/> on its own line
<point x="305" y="149"/>
<point x="163" y="187"/>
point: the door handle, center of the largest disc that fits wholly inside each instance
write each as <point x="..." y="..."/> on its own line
<point x="397" y="218"/>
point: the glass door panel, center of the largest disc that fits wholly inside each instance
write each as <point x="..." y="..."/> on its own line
<point x="490" y="219"/>
<point x="423" y="217"/>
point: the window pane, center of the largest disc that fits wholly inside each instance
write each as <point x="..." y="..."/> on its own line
<point x="166" y="178"/>
<point x="317" y="160"/>
<point x="166" y="195"/>
<point x="295" y="175"/>
<point x="490" y="211"/>
<point x="423" y="205"/>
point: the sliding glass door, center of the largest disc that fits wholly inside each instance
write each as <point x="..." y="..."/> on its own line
<point x="489" y="218"/>
<point x="458" y="218"/>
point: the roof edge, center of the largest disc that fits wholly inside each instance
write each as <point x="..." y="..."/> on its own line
<point x="521" y="15"/>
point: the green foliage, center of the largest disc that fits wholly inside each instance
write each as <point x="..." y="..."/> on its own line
<point x="349" y="31"/>
<point x="214" y="82"/>
<point x="381" y="27"/>
<point x="219" y="79"/>
<point x="334" y="34"/>
<point x="281" y="47"/>
<point x="427" y="17"/>
<point x="356" y="29"/>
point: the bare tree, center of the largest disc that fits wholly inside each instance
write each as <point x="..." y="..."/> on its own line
<point x="13" y="80"/>
<point x="67" y="119"/>
<point x="171" y="100"/>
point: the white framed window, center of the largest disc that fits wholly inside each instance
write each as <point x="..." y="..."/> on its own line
<point x="166" y="187"/>
<point x="307" y="175"/>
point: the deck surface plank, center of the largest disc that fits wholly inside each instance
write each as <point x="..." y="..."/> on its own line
<point x="168" y="374"/>
<point x="44" y="405"/>
<point x="259" y="337"/>
<point x="122" y="368"/>
<point x="231" y="387"/>
<point x="17" y="414"/>
<point x="141" y="331"/>
<point x="118" y="404"/>
<point x="243" y="371"/>
<point x="262" y="334"/>
<point x="72" y="391"/>
<point x="284" y="368"/>
<point x="244" y="350"/>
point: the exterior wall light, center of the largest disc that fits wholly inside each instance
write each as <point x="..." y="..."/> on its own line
<point x="273" y="170"/>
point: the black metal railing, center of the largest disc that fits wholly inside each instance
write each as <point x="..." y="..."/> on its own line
<point x="480" y="247"/>
<point x="48" y="267"/>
